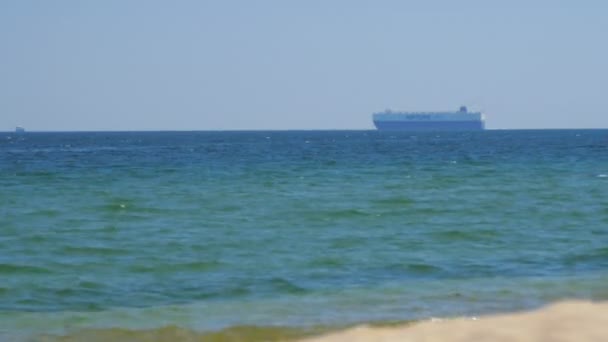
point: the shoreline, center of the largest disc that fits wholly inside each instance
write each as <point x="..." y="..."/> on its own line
<point x="566" y="321"/>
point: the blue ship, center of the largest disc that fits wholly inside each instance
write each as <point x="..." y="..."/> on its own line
<point x="461" y="120"/>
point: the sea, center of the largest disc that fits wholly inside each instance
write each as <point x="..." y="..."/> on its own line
<point x="270" y="235"/>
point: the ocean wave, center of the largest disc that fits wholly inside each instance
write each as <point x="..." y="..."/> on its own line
<point x="464" y="235"/>
<point x="595" y="258"/>
<point x="394" y="201"/>
<point x="286" y="286"/>
<point x="423" y="268"/>
<point x="93" y="250"/>
<point x="345" y="213"/>
<point x="193" y="266"/>
<point x="8" y="269"/>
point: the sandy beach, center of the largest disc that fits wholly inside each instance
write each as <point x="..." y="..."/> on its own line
<point x="566" y="321"/>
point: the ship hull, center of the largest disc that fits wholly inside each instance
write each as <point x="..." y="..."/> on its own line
<point x="429" y="126"/>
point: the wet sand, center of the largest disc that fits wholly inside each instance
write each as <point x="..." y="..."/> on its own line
<point x="566" y="321"/>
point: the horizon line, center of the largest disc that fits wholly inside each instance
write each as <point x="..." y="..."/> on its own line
<point x="279" y="130"/>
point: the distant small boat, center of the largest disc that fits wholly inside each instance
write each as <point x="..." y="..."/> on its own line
<point x="19" y="130"/>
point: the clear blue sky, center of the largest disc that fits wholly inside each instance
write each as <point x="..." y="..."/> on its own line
<point x="301" y="64"/>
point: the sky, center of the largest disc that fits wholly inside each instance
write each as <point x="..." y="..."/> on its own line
<point x="299" y="64"/>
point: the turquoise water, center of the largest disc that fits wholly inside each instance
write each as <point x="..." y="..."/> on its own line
<point x="205" y="231"/>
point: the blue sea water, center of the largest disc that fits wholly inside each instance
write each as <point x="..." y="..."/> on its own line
<point x="204" y="231"/>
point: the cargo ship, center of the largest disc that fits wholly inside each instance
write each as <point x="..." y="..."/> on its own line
<point x="461" y="120"/>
